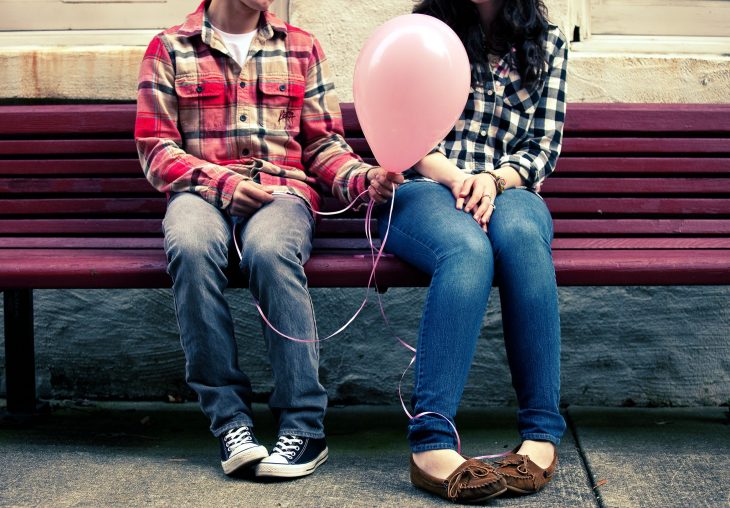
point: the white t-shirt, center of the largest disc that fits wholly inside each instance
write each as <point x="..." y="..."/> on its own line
<point x="237" y="44"/>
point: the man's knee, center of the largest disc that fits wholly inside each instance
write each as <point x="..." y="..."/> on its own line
<point x="271" y="257"/>
<point x="195" y="231"/>
<point x="189" y="247"/>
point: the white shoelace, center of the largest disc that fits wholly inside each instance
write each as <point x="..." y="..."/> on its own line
<point x="287" y="446"/>
<point x="236" y="437"/>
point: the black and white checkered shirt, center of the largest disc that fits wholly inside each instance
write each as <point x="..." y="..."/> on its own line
<point x="504" y="124"/>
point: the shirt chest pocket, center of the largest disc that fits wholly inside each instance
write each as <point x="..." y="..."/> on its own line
<point x="516" y="97"/>
<point x="201" y="102"/>
<point x="281" y="99"/>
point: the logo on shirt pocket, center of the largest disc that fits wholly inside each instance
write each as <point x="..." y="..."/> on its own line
<point x="283" y="97"/>
<point x="287" y="116"/>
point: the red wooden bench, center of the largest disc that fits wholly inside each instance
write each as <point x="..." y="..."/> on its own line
<point x="640" y="197"/>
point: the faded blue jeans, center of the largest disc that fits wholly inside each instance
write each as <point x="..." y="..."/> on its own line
<point x="431" y="234"/>
<point x="276" y="242"/>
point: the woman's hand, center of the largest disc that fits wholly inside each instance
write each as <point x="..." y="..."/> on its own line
<point x="382" y="184"/>
<point x="476" y="196"/>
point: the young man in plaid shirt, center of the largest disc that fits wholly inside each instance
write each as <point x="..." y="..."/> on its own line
<point x="238" y="122"/>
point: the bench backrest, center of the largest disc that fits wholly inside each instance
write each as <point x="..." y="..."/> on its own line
<point x="630" y="176"/>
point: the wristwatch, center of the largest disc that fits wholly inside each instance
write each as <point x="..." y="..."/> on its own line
<point x="499" y="181"/>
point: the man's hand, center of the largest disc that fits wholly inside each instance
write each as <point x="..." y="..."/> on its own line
<point x="249" y="197"/>
<point x="477" y="195"/>
<point x="382" y="184"/>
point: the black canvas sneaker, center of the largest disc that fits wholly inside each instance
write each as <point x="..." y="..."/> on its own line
<point x="293" y="456"/>
<point x="239" y="448"/>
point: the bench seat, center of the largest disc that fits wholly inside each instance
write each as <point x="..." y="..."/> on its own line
<point x="49" y="268"/>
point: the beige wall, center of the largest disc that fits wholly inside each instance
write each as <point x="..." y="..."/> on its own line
<point x="342" y="26"/>
<point x="32" y="69"/>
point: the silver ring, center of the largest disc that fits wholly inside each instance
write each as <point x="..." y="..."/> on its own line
<point x="493" y="206"/>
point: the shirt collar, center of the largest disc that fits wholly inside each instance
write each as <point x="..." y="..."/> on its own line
<point x="197" y="23"/>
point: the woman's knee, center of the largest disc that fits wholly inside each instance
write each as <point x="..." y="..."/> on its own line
<point x="471" y="248"/>
<point x="521" y="218"/>
<point x="468" y="260"/>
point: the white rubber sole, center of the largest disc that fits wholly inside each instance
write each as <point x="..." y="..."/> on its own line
<point x="264" y="469"/>
<point x="244" y="459"/>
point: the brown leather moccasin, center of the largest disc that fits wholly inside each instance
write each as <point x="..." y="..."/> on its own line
<point x="523" y="476"/>
<point x="472" y="482"/>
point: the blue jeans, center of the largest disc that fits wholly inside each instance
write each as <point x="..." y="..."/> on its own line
<point x="430" y="233"/>
<point x="276" y="242"/>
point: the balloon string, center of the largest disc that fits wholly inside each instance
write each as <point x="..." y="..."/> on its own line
<point x="368" y="234"/>
<point x="424" y="413"/>
<point x="376" y="254"/>
<point x="371" y="279"/>
<point x="354" y="201"/>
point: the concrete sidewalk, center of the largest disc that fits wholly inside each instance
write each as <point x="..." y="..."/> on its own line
<point x="149" y="454"/>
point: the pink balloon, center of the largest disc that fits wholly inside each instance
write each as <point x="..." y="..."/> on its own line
<point x="411" y="84"/>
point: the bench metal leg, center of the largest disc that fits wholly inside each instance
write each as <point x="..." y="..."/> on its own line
<point x="19" y="356"/>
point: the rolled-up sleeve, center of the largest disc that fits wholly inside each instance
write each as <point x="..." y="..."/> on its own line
<point x="535" y="157"/>
<point x="325" y="152"/>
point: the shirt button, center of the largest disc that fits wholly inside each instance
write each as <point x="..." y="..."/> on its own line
<point x="245" y="152"/>
<point x="490" y="92"/>
<point x="199" y="89"/>
<point x="243" y="118"/>
<point x="282" y="87"/>
<point x="243" y="85"/>
<point x="483" y="133"/>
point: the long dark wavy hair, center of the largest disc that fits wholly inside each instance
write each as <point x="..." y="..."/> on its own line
<point x="520" y="24"/>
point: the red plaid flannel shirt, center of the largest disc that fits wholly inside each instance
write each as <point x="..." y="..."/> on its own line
<point x="204" y="124"/>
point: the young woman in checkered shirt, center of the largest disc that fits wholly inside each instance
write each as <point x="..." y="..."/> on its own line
<point x="469" y="213"/>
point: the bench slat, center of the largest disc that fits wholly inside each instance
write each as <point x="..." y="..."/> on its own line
<point x="68" y="118"/>
<point x="653" y="145"/>
<point x="80" y="226"/>
<point x="641" y="165"/>
<point x="76" y="185"/>
<point x="618" y="185"/>
<point x="642" y="118"/>
<point x="640" y="206"/>
<point x="124" y="147"/>
<point x="593" y="118"/>
<point x="326" y="227"/>
<point x="93" y="167"/>
<point x="596" y="206"/>
<point x="641" y="243"/>
<point x="566" y="165"/>
<point x="143" y="268"/>
<point x="654" y="227"/>
<point x="84" y="206"/>
<point x="642" y="267"/>
<point x="84" y="268"/>
<point x="46" y="242"/>
<point x="554" y="185"/>
<point x="635" y="118"/>
<point x="361" y="243"/>
<point x="339" y="243"/>
<point x="354" y="227"/>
